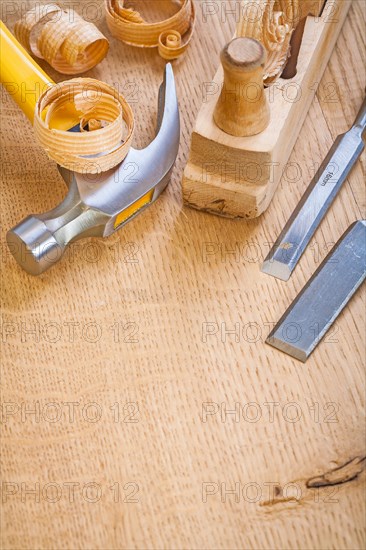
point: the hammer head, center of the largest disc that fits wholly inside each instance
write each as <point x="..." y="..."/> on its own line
<point x="99" y="205"/>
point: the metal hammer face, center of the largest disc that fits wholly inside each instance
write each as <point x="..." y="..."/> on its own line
<point x="97" y="206"/>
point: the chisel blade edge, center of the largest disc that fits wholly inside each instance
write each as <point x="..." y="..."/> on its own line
<point x="322" y="299"/>
<point x="279" y="270"/>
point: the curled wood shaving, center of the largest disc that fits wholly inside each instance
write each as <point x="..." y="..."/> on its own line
<point x="130" y="27"/>
<point x="65" y="40"/>
<point x="101" y="110"/>
<point x="272" y="22"/>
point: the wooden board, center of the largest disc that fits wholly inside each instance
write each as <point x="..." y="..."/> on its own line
<point x="128" y="320"/>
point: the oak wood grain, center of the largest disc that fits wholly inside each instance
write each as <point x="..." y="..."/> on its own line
<point x="128" y="320"/>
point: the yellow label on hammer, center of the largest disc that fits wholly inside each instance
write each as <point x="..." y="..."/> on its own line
<point x="135" y="207"/>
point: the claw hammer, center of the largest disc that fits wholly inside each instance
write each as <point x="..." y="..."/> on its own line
<point x="97" y="206"/>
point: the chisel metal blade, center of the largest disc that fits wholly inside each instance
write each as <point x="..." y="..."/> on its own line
<point x="317" y="199"/>
<point x="322" y="299"/>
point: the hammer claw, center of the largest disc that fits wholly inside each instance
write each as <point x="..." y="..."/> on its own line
<point x="98" y="205"/>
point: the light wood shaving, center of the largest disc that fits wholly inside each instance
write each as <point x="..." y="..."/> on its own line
<point x="65" y="40"/>
<point x="272" y="22"/>
<point x="129" y="26"/>
<point x="99" y="106"/>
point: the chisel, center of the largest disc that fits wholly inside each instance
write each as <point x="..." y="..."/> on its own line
<point x="301" y="226"/>
<point x="322" y="299"/>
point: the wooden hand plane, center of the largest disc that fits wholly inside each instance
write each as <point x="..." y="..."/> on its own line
<point x="249" y="121"/>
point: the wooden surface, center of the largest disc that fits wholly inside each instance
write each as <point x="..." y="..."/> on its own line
<point x="160" y="280"/>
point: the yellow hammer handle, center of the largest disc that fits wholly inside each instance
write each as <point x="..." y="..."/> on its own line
<point x="19" y="73"/>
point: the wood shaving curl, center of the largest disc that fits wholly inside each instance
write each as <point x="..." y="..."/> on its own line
<point x="129" y="26"/>
<point x="272" y="22"/>
<point x="100" y="109"/>
<point x="65" y="40"/>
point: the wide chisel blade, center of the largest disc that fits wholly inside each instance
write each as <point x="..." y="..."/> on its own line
<point x="322" y="299"/>
<point x="313" y="206"/>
